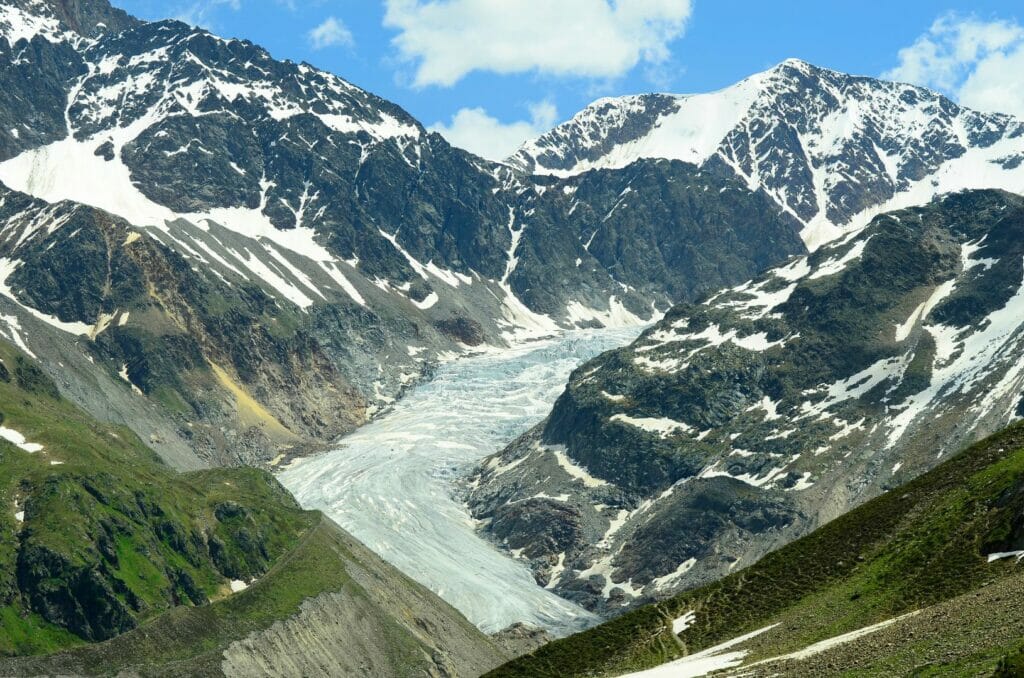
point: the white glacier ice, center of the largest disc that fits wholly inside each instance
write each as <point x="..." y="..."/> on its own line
<point x="392" y="482"/>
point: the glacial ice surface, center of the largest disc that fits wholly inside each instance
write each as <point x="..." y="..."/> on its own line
<point x="391" y="482"/>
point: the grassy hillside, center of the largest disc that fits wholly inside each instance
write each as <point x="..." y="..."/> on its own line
<point x="192" y="641"/>
<point x="98" y="535"/>
<point x="912" y="548"/>
<point x="111" y="561"/>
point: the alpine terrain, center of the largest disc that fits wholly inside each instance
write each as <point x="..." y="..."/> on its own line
<point x="216" y="264"/>
<point x="925" y="579"/>
<point x="265" y="254"/>
<point x="740" y="422"/>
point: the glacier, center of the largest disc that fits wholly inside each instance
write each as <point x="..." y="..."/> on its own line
<point x="393" y="482"/>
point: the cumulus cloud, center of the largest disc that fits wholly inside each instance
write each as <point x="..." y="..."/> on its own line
<point x="979" y="63"/>
<point x="474" y="130"/>
<point x="447" y="39"/>
<point x="331" y="33"/>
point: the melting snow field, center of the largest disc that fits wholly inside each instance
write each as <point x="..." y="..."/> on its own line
<point x="391" y="482"/>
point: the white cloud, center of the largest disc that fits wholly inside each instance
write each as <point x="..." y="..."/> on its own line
<point x="979" y="63"/>
<point x="330" y="33"/>
<point x="201" y="13"/>
<point x="997" y="83"/>
<point x="447" y="39"/>
<point x="474" y="130"/>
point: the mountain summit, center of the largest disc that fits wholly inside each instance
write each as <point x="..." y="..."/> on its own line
<point x="831" y="149"/>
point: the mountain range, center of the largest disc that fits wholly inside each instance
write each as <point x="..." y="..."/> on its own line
<point x="221" y="259"/>
<point x="349" y="249"/>
<point x="346" y="246"/>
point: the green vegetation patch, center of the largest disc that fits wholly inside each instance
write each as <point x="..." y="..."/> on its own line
<point x="98" y="536"/>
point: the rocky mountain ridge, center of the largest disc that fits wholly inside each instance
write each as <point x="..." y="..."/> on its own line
<point x="740" y="423"/>
<point x="831" y="149"/>
<point x="280" y="196"/>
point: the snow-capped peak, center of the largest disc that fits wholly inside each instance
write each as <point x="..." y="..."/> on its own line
<point x="832" y="149"/>
<point x="614" y="131"/>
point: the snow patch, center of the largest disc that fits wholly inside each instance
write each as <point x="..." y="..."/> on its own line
<point x="993" y="557"/>
<point x="617" y="314"/>
<point x="680" y="624"/>
<point x="18" y="440"/>
<point x="704" y="662"/>
<point x="574" y="470"/>
<point x="664" y="580"/>
<point x="428" y="302"/>
<point x="14" y="333"/>
<point x="661" y="426"/>
<point x="7" y="267"/>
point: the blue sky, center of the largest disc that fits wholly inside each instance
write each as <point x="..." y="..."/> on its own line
<point x="490" y="73"/>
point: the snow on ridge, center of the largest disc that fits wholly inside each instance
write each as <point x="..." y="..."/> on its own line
<point x="16" y="24"/>
<point x="729" y="124"/>
<point x="692" y="132"/>
<point x="69" y="170"/>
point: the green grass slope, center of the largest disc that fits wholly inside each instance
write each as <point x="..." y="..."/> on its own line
<point x="97" y="535"/>
<point x="192" y="641"/>
<point x="112" y="561"/>
<point x="912" y="548"/>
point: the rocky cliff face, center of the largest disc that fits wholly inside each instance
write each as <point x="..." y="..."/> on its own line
<point x="741" y="422"/>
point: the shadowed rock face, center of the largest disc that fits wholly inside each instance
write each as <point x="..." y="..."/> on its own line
<point x="741" y="422"/>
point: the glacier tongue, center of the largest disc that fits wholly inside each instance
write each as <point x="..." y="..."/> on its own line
<point x="391" y="482"/>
